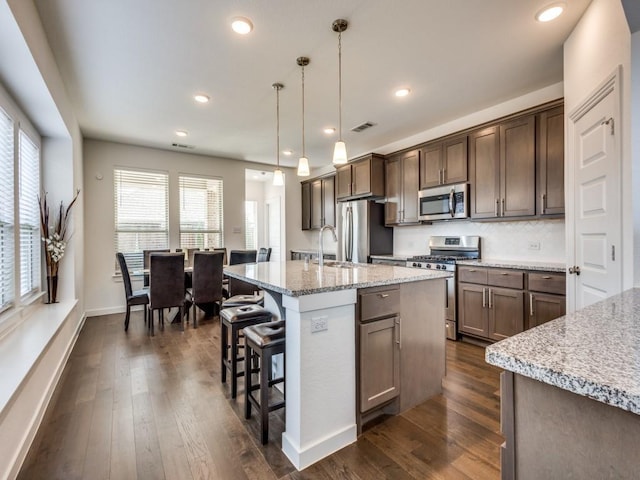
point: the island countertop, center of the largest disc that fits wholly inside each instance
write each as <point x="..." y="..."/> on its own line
<point x="593" y="352"/>
<point x="296" y="279"/>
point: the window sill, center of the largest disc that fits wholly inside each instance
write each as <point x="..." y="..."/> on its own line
<point x="25" y="342"/>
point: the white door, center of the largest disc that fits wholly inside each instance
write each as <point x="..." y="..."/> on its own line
<point x="597" y="209"/>
<point x="274" y="228"/>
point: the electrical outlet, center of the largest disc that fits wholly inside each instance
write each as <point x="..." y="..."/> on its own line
<point x="533" y="245"/>
<point x="319" y="324"/>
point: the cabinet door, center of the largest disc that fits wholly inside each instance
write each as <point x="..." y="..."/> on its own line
<point x="518" y="167"/>
<point x="306" y="206"/>
<point x="551" y="162"/>
<point x="454" y="161"/>
<point x="379" y="362"/>
<point x="484" y="172"/>
<point x="410" y="185"/>
<point x="392" y="191"/>
<point x="343" y="181"/>
<point x="506" y="312"/>
<point x="316" y="204"/>
<point x="328" y="201"/>
<point x="543" y="307"/>
<point x="361" y="177"/>
<point x="431" y="165"/>
<point x="472" y="309"/>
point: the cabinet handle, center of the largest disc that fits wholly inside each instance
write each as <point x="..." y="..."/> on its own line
<point x="502" y="214"/>
<point x="399" y="333"/>
<point x="490" y="295"/>
<point x="472" y="270"/>
<point x="531" y="304"/>
<point x="504" y="273"/>
<point x="484" y="297"/>
<point x="383" y="295"/>
<point x="543" y="200"/>
<point x="497" y="207"/>
<point x="443" y="172"/>
<point x="546" y="277"/>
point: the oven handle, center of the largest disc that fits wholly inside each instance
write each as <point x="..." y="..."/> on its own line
<point x="451" y="202"/>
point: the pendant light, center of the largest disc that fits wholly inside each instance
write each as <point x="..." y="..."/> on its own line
<point x="340" y="149"/>
<point x="278" y="177"/>
<point x="303" y="162"/>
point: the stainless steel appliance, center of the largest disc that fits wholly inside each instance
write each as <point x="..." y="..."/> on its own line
<point x="361" y="231"/>
<point x="444" y="251"/>
<point x="444" y="203"/>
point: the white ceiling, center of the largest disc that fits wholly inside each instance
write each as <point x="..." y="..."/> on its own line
<point x="132" y="66"/>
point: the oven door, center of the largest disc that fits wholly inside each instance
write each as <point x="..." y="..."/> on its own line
<point x="444" y="203"/>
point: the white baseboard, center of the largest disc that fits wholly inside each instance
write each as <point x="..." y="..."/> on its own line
<point x="96" y="312"/>
<point x="302" y="458"/>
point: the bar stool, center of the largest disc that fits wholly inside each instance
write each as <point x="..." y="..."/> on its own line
<point x="234" y="319"/>
<point x="239" y="300"/>
<point x="262" y="342"/>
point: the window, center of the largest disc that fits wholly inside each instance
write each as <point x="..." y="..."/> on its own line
<point x="6" y="211"/>
<point x="201" y="216"/>
<point x="29" y="188"/>
<point x="141" y="213"/>
<point x="251" y="225"/>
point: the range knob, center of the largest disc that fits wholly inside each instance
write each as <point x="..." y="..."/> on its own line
<point x="439" y="267"/>
<point x="428" y="265"/>
<point x="416" y="264"/>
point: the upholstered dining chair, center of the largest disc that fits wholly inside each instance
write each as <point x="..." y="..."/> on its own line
<point x="238" y="287"/>
<point x="166" y="285"/>
<point x="264" y="254"/>
<point x="206" y="283"/>
<point x="237" y="257"/>
<point x="145" y="262"/>
<point x="224" y="251"/>
<point x="138" y="297"/>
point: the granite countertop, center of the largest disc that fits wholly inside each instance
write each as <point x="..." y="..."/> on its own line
<point x="515" y="264"/>
<point x="295" y="279"/>
<point x="399" y="258"/>
<point x="310" y="252"/>
<point x="593" y="352"/>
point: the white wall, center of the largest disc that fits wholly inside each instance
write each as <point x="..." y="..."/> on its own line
<point x="104" y="293"/>
<point x="254" y="191"/>
<point x="635" y="152"/>
<point x="599" y="43"/>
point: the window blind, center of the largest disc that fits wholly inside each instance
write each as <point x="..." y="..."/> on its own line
<point x="141" y="213"/>
<point x="251" y="225"/>
<point x="201" y="212"/>
<point x="7" y="256"/>
<point x="29" y="208"/>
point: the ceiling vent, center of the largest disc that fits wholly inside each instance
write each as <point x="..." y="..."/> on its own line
<point x="182" y="145"/>
<point x="363" y="126"/>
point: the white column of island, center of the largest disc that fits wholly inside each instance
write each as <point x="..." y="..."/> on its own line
<point x="321" y="361"/>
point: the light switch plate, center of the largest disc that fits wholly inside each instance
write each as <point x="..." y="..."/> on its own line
<point x="534" y="245"/>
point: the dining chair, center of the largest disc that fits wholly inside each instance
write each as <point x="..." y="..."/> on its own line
<point x="166" y="285"/>
<point x="237" y="257"/>
<point x="138" y="297"/>
<point x="145" y="262"/>
<point x="223" y="250"/>
<point x="238" y="287"/>
<point x="264" y="254"/>
<point x="206" y="283"/>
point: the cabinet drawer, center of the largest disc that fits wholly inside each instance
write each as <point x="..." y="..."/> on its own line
<point x="547" y="283"/>
<point x="472" y="275"/>
<point x="379" y="303"/>
<point x="506" y="278"/>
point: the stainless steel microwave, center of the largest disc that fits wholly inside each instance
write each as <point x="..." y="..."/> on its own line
<point x="444" y="203"/>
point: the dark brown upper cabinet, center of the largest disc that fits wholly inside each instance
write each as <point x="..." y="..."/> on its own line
<point x="361" y="178"/>
<point x="444" y="162"/>
<point x="550" y="161"/>
<point x="318" y="203"/>
<point x="401" y="174"/>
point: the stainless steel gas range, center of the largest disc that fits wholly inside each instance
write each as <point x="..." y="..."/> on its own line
<point x="444" y="251"/>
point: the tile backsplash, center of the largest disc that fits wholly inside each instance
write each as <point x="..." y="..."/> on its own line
<point x="533" y="240"/>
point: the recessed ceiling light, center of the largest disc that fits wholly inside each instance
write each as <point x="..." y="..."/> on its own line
<point x="287" y="152"/>
<point x="402" y="92"/>
<point x="329" y="130"/>
<point x="181" y="133"/>
<point x="241" y="25"/>
<point x="201" y="98"/>
<point x="551" y="12"/>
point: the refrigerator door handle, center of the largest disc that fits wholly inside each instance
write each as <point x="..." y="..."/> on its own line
<point x="349" y="243"/>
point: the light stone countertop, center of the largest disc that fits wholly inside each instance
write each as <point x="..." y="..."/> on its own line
<point x="399" y="258"/>
<point x="295" y="279"/>
<point x="593" y="352"/>
<point x="515" y="264"/>
<point x="310" y="252"/>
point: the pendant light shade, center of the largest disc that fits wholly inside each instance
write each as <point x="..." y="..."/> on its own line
<point x="303" y="162"/>
<point x="278" y="176"/>
<point x="340" y="149"/>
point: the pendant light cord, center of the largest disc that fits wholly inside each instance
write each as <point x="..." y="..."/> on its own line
<point x="340" y="84"/>
<point x="303" y="149"/>
<point x="278" y="127"/>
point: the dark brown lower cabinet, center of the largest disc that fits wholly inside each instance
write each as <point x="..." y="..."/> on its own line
<point x="473" y="318"/>
<point x="544" y="307"/>
<point x="380" y="362"/>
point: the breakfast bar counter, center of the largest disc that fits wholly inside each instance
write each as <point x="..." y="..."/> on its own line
<point x="319" y="305"/>
<point x="571" y="388"/>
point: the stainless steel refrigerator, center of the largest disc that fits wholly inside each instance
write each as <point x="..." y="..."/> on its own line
<point x="361" y="231"/>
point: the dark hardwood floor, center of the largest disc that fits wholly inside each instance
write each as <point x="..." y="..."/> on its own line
<point x="130" y="406"/>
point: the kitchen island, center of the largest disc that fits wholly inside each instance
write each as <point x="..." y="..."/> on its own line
<point x="570" y="395"/>
<point x="319" y="305"/>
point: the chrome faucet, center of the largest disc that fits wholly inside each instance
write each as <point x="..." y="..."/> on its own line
<point x="320" y="249"/>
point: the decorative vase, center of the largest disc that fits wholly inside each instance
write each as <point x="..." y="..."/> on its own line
<point x="52" y="288"/>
